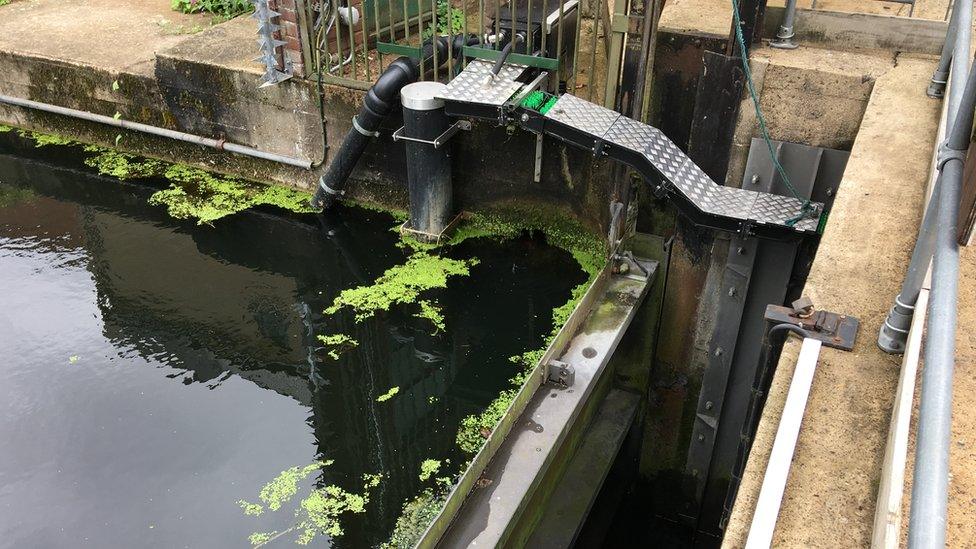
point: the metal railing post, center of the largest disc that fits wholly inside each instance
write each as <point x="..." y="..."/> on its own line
<point x="927" y="525"/>
<point x="785" y="34"/>
<point x="941" y="75"/>
<point x="894" y="330"/>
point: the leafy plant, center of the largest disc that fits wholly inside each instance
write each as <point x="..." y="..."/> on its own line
<point x="450" y="20"/>
<point x="223" y="8"/>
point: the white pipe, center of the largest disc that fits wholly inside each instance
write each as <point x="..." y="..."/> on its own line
<point x="162" y="132"/>
<point x="781" y="457"/>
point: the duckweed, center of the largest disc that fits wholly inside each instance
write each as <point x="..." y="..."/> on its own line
<point x="403" y="284"/>
<point x="429" y="468"/>
<point x="45" y="139"/>
<point x="338" y="343"/>
<point x="120" y="165"/>
<point x="388" y="395"/>
<point x="318" y="513"/>
<point x="196" y="194"/>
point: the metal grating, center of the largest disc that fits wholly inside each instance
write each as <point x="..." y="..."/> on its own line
<point x="668" y="160"/>
<point x="583" y="115"/>
<point x="469" y="85"/>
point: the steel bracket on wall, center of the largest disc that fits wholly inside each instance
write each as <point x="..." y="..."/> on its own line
<point x="832" y="329"/>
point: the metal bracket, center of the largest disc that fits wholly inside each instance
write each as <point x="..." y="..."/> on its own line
<point x="560" y="373"/>
<point x="438" y="141"/>
<point x="832" y="329"/>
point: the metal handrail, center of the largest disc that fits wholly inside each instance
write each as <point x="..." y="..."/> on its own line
<point x="937" y="242"/>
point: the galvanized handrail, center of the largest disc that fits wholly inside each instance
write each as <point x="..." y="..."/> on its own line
<point x="937" y="243"/>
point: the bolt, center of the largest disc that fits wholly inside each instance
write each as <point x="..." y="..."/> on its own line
<point x="701" y="438"/>
<point x="719" y="351"/>
<point x="709" y="405"/>
<point x="740" y="250"/>
<point x="830" y="191"/>
<point x="732" y="292"/>
<point x="525" y="117"/>
<point x="755" y="179"/>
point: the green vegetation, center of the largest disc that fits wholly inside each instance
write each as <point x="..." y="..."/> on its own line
<point x="318" y="513"/>
<point x="403" y="284"/>
<point x="226" y="9"/>
<point x="450" y="20"/>
<point x="120" y="165"/>
<point x="388" y="395"/>
<point x="589" y="251"/>
<point x="429" y="468"/>
<point x="338" y="343"/>
<point x="196" y="194"/>
<point x="11" y="196"/>
<point x="44" y="139"/>
<point x="417" y="514"/>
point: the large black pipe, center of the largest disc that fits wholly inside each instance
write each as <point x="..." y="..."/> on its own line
<point x="380" y="100"/>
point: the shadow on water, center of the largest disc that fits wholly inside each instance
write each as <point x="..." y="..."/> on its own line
<point x="157" y="371"/>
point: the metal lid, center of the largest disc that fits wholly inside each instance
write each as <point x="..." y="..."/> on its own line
<point x="422" y="96"/>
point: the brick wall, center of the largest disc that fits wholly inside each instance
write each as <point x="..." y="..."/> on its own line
<point x="291" y="33"/>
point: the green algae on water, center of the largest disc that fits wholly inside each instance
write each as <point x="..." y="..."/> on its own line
<point x="403" y="284"/>
<point x="45" y="139"/>
<point x="337" y="343"/>
<point x="388" y="395"/>
<point x="120" y="165"/>
<point x="429" y="468"/>
<point x="197" y="194"/>
<point x="318" y="513"/>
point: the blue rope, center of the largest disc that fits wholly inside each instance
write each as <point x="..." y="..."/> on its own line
<point x="805" y="210"/>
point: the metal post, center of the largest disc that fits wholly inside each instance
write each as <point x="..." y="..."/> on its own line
<point x="785" y="34"/>
<point x="941" y="76"/>
<point x="428" y="163"/>
<point x="894" y="331"/>
<point x="927" y="526"/>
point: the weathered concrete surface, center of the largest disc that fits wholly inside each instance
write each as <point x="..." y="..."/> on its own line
<point x="153" y="65"/>
<point x="812" y="96"/>
<point x="830" y="495"/>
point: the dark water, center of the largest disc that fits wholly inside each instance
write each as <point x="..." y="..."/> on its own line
<point x="153" y="372"/>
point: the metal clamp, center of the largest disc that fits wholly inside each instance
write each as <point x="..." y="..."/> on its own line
<point x="560" y="373"/>
<point x="832" y="329"/>
<point x="438" y="141"/>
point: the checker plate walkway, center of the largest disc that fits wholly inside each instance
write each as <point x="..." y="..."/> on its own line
<point x="646" y="149"/>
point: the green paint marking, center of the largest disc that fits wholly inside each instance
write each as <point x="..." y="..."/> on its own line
<point x="388" y="395"/>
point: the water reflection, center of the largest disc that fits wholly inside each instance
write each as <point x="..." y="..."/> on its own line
<point x="199" y="376"/>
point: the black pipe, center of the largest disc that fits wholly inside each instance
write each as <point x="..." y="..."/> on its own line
<point x="380" y="100"/>
<point x="519" y="38"/>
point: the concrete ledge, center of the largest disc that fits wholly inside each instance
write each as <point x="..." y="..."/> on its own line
<point x="831" y="492"/>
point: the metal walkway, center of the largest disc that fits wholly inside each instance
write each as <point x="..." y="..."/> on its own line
<point x="643" y="147"/>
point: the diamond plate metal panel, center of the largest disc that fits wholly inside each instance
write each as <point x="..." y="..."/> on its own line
<point x="469" y="86"/>
<point x="730" y="202"/>
<point x="649" y="141"/>
<point x="582" y="115"/>
<point x="776" y="209"/>
<point x="693" y="183"/>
